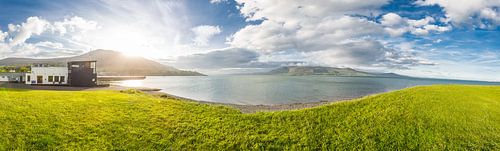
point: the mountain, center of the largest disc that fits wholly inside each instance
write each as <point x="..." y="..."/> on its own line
<point x="110" y="63"/>
<point x="330" y="71"/>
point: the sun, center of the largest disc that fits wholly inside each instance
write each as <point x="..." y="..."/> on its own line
<point x="132" y="42"/>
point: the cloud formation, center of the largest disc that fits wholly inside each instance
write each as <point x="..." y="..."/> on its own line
<point x="204" y="33"/>
<point x="32" y="26"/>
<point x="217" y="1"/>
<point x="3" y="35"/>
<point x="14" y="42"/>
<point x="330" y="33"/>
<point x="479" y="13"/>
<point x="73" y="24"/>
<point x="396" y="25"/>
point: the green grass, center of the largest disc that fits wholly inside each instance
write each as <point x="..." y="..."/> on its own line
<point x="438" y="117"/>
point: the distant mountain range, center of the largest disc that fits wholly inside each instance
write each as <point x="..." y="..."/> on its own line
<point x="330" y="71"/>
<point x="110" y="63"/>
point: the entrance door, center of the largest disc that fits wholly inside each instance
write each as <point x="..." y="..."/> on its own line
<point x="39" y="79"/>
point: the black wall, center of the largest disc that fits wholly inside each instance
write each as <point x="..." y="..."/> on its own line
<point x="81" y="74"/>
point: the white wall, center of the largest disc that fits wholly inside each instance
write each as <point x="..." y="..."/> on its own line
<point x="45" y="72"/>
<point x="4" y="78"/>
<point x="11" y="77"/>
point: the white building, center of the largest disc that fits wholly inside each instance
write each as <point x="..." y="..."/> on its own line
<point x="47" y="75"/>
<point x="4" y="78"/>
<point x="12" y="77"/>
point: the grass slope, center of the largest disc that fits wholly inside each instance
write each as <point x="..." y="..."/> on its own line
<point x="429" y="117"/>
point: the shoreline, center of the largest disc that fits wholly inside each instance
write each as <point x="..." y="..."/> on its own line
<point x="156" y="92"/>
<point x="252" y="108"/>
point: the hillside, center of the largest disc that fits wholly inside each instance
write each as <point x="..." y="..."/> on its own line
<point x="111" y="63"/>
<point x="331" y="71"/>
<point x="441" y="117"/>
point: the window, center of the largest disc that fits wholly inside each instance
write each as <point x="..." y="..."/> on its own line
<point x="29" y="78"/>
<point x="62" y="79"/>
<point x="51" y="78"/>
<point x="56" y="78"/>
<point x="92" y="65"/>
<point x="39" y="79"/>
<point x="75" y="66"/>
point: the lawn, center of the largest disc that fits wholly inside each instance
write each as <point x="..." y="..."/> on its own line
<point x="451" y="117"/>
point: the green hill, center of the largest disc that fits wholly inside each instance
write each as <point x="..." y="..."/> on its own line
<point x="330" y="71"/>
<point x="109" y="63"/>
<point x="441" y="117"/>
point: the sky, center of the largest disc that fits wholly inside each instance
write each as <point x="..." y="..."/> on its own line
<point x="455" y="39"/>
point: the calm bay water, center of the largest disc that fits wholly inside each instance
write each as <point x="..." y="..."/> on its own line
<point x="270" y="89"/>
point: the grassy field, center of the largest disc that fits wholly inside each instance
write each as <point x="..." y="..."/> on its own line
<point x="427" y="118"/>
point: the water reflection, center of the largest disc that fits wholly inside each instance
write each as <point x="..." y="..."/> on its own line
<point x="131" y="83"/>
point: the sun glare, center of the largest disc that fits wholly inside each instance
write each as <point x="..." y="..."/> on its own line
<point x="131" y="83"/>
<point x="132" y="42"/>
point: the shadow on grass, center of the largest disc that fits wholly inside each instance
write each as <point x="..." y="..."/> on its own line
<point x="27" y="87"/>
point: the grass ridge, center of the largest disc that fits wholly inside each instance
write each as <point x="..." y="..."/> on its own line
<point x="438" y="117"/>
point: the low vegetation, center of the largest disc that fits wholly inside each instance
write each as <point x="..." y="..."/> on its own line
<point x="14" y="69"/>
<point x="443" y="117"/>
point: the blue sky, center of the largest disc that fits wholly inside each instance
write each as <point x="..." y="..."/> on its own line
<point x="427" y="38"/>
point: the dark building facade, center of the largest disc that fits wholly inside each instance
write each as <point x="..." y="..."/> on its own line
<point x="82" y="73"/>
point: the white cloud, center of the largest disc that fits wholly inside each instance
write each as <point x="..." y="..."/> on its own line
<point x="309" y="36"/>
<point x="3" y="35"/>
<point x="204" y="33"/>
<point x="490" y="14"/>
<point x="48" y="44"/>
<point x="74" y="24"/>
<point x="32" y="26"/>
<point x="437" y="28"/>
<point x="396" y="25"/>
<point x="421" y="22"/>
<point x="395" y="32"/>
<point x="13" y="28"/>
<point x="466" y="12"/>
<point x="13" y="43"/>
<point x="392" y="19"/>
<point x="294" y="11"/>
<point x="217" y="1"/>
<point x="322" y="32"/>
<point x="36" y="26"/>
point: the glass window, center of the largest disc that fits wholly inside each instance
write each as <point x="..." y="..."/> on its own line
<point x="75" y="66"/>
<point x="51" y="78"/>
<point x="92" y="65"/>
<point x="56" y="78"/>
<point x="29" y="78"/>
<point x="62" y="79"/>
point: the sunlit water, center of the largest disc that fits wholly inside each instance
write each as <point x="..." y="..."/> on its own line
<point x="268" y="89"/>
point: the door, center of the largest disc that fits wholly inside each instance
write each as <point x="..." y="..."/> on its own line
<point x="39" y="79"/>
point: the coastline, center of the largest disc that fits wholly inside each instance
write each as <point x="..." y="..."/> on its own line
<point x="250" y="108"/>
<point x="157" y="93"/>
